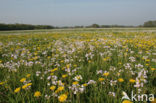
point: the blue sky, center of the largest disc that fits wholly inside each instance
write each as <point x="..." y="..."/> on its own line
<point x="77" y="12"/>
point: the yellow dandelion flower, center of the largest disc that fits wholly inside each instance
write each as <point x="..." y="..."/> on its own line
<point x="35" y="53"/>
<point x="85" y="84"/>
<point x="1" y="83"/>
<point x="101" y="79"/>
<point x="52" y="87"/>
<point x="51" y="73"/>
<point x="35" y="58"/>
<point x="62" y="98"/>
<point x="62" y="61"/>
<point x="68" y="66"/>
<point x="120" y="80"/>
<point x="38" y="48"/>
<point x="126" y="50"/>
<point x="28" y="75"/>
<point x="49" y="57"/>
<point x="61" y="88"/>
<point x="119" y="63"/>
<point x="153" y="69"/>
<point x="106" y="74"/>
<point x="147" y="60"/>
<point x="75" y="65"/>
<point x="75" y="83"/>
<point x="29" y="84"/>
<point x="23" y="80"/>
<point x="132" y="81"/>
<point x="17" y="89"/>
<point x="104" y="59"/>
<point x="64" y="76"/>
<point x="37" y="94"/>
<point x="63" y="68"/>
<point x="24" y="86"/>
<point x="55" y="69"/>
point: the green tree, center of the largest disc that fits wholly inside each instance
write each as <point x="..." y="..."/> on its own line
<point x="150" y="24"/>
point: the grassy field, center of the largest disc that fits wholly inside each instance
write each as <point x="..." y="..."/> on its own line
<point x="78" y="30"/>
<point x="77" y="65"/>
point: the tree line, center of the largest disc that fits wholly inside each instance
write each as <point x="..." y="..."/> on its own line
<point x="23" y="27"/>
<point x="33" y="27"/>
<point x="146" y="24"/>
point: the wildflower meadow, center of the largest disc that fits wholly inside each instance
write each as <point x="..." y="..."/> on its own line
<point x="91" y="66"/>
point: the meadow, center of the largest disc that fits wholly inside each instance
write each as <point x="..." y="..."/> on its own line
<point x="77" y="65"/>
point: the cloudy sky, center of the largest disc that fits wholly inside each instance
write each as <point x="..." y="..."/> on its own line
<point x="77" y="12"/>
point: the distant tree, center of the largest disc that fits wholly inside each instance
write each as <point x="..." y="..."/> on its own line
<point x="95" y="26"/>
<point x="150" y="24"/>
